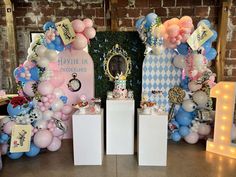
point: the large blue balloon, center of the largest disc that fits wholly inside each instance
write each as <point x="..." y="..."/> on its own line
<point x="34" y="150"/>
<point x="184" y="131"/>
<point x="34" y="73"/>
<point x="183" y="48"/>
<point x="207" y="46"/>
<point x="13" y="112"/>
<point x="176" y="136"/>
<point x="150" y="19"/>
<point x="206" y="22"/>
<point x="211" y="54"/>
<point x="139" y="22"/>
<point x="15" y="156"/>
<point x="183" y="118"/>
<point x="48" y="25"/>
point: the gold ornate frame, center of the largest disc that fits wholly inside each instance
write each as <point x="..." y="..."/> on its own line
<point x="116" y="50"/>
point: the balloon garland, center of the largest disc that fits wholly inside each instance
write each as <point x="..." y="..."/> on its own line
<point x="41" y="102"/>
<point x="192" y="119"/>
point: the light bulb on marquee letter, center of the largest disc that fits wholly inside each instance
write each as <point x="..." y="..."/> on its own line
<point x="225" y="93"/>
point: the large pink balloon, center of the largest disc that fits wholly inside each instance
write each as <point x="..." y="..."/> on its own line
<point x="45" y="88"/>
<point x="66" y="109"/>
<point x="57" y="132"/>
<point x="192" y="138"/>
<point x="43" y="138"/>
<point x="186" y="22"/>
<point x="173" y="30"/>
<point x="88" y="22"/>
<point x="90" y="32"/>
<point x="57" y="79"/>
<point x="78" y="26"/>
<point x="80" y="42"/>
<point x="55" y="144"/>
<point x="28" y="88"/>
<point x="7" y="128"/>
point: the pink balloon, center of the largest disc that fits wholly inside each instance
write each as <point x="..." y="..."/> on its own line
<point x="172" y="39"/>
<point x="57" y="79"/>
<point x="42" y="108"/>
<point x="40" y="104"/>
<point x="28" y="88"/>
<point x="7" y="128"/>
<point x="78" y="26"/>
<point x="47" y="104"/>
<point x="80" y="42"/>
<point x="29" y="64"/>
<point x="88" y="23"/>
<point x="90" y="32"/>
<point x="173" y="30"/>
<point x="4" y="149"/>
<point x="45" y="88"/>
<point x="44" y="99"/>
<point x="186" y="22"/>
<point x="166" y="23"/>
<point x="57" y="132"/>
<point x="57" y="115"/>
<point x="65" y="117"/>
<point x="55" y="144"/>
<point x="43" y="138"/>
<point x="66" y="109"/>
<point x="192" y="138"/>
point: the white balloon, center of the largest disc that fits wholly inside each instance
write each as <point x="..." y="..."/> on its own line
<point x="51" y="55"/>
<point x="189" y="105"/>
<point x="40" y="50"/>
<point x="57" y="105"/>
<point x="179" y="61"/>
<point x="200" y="98"/>
<point x="41" y="124"/>
<point x="43" y="62"/>
<point x="204" y="129"/>
<point x="199" y="62"/>
<point x="47" y="115"/>
<point x="58" y="92"/>
<point x="193" y="86"/>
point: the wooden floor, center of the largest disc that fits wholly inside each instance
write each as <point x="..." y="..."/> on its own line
<point x="184" y="160"/>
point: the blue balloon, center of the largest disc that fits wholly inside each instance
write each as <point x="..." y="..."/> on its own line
<point x="207" y="46"/>
<point x="34" y="150"/>
<point x="184" y="131"/>
<point x="150" y="19"/>
<point x="5" y="137"/>
<point x="211" y="54"/>
<point x="176" y="136"/>
<point x="15" y="156"/>
<point x="183" y="48"/>
<point x="183" y="118"/>
<point x="48" y="25"/>
<point x="214" y="37"/>
<point x="184" y="83"/>
<point x="13" y="112"/>
<point x="57" y="41"/>
<point x="59" y="47"/>
<point x="206" y="22"/>
<point x="34" y="73"/>
<point x="139" y="23"/>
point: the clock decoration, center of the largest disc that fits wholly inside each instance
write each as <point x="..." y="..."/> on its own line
<point x="74" y="84"/>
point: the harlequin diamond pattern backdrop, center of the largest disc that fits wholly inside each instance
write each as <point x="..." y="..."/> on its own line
<point x="159" y="74"/>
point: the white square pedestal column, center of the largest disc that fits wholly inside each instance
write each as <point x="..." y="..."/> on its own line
<point x="120" y="127"/>
<point x="152" y="139"/>
<point x="88" y="138"/>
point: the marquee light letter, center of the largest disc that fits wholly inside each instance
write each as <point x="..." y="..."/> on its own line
<point x="225" y="93"/>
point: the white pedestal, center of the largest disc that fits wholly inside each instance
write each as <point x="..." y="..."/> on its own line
<point x="88" y="138"/>
<point x="120" y="127"/>
<point x="152" y="139"/>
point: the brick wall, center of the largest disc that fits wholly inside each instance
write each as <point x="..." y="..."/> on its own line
<point x="30" y="15"/>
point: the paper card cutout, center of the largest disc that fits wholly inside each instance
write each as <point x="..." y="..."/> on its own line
<point x="20" y="140"/>
<point x="66" y="31"/>
<point x="199" y="36"/>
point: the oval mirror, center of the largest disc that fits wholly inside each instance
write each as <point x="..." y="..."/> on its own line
<point x="117" y="62"/>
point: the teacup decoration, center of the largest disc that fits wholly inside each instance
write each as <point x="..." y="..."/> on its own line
<point x="82" y="105"/>
<point x="147" y="107"/>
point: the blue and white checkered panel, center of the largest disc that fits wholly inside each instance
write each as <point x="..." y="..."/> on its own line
<point x="160" y="74"/>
